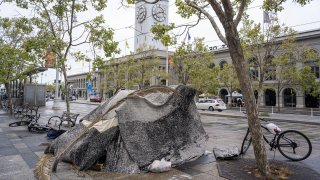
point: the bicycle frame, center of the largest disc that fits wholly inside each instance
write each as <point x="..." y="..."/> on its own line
<point x="272" y="143"/>
<point x="285" y="146"/>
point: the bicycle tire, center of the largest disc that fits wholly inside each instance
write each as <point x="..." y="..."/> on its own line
<point x="19" y="123"/>
<point x="38" y="128"/>
<point x="290" y="141"/>
<point x="55" y="122"/>
<point x="246" y="142"/>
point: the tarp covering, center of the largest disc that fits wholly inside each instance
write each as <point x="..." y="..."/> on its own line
<point x="136" y="128"/>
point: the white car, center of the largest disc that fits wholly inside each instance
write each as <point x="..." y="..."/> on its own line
<point x="211" y="104"/>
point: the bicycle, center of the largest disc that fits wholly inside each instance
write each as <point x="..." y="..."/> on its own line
<point x="292" y="144"/>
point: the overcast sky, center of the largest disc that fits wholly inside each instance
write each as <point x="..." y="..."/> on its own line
<point x="122" y="21"/>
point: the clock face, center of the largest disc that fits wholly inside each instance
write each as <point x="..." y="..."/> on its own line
<point x="159" y="12"/>
<point x="141" y="14"/>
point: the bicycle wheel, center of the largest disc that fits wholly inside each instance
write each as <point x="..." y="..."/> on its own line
<point x="246" y="142"/>
<point x="294" y="145"/>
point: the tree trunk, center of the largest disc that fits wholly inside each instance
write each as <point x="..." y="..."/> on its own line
<point x="9" y="96"/>
<point x="66" y="90"/>
<point x="240" y="64"/>
<point x="278" y="98"/>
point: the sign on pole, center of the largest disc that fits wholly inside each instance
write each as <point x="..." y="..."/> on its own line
<point x="50" y="59"/>
<point x="89" y="87"/>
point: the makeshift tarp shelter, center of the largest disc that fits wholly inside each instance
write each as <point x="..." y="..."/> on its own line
<point x="132" y="129"/>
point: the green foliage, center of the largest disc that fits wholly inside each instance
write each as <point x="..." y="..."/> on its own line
<point x="194" y="67"/>
<point x="184" y="10"/>
<point x="266" y="114"/>
<point x="161" y="32"/>
<point x="229" y="78"/>
<point x="88" y="76"/>
<point x="58" y="30"/>
<point x="306" y="76"/>
<point x="270" y="54"/>
<point x="134" y="70"/>
<point x="144" y="68"/>
<point x="276" y="5"/>
<point x="50" y="88"/>
<point x="14" y="55"/>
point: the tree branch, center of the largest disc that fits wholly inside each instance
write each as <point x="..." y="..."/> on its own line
<point x="76" y="39"/>
<point x="240" y="13"/>
<point x="228" y="10"/>
<point x="148" y="2"/>
<point x="188" y="26"/>
<point x="211" y="19"/>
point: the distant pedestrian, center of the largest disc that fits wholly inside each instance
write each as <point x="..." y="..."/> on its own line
<point x="73" y="97"/>
<point x="239" y="102"/>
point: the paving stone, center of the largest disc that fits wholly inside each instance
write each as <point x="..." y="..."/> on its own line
<point x="66" y="171"/>
<point x="204" y="176"/>
<point x="8" y="150"/>
<point x="14" y="167"/>
<point x="24" y="150"/>
<point x="30" y="158"/>
<point x="39" y="154"/>
<point x="189" y="171"/>
<point x="20" y="145"/>
<point x="222" y="131"/>
<point x="206" y="167"/>
<point x="5" y="142"/>
<point x="12" y="135"/>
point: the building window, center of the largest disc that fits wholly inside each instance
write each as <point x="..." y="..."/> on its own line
<point x="313" y="61"/>
<point x="253" y="69"/>
<point x="222" y="63"/>
<point x="270" y="69"/>
<point x="314" y="68"/>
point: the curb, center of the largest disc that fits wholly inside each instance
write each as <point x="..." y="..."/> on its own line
<point x="269" y="118"/>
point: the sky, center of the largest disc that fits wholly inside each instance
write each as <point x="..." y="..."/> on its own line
<point x="122" y="21"/>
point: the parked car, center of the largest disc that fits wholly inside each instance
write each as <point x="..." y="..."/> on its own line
<point x="95" y="99"/>
<point x="211" y="104"/>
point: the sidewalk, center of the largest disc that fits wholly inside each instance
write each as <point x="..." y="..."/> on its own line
<point x="281" y="117"/>
<point x="20" y="149"/>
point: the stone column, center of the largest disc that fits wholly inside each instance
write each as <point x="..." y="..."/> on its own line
<point x="262" y="100"/>
<point x="279" y="100"/>
<point x="300" y="100"/>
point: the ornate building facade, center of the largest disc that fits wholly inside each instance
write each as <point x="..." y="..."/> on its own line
<point x="289" y="96"/>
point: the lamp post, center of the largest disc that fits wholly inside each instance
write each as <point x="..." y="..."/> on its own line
<point x="55" y="103"/>
<point x="167" y="66"/>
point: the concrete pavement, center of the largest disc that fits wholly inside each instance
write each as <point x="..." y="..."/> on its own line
<point x="20" y="149"/>
<point x="281" y="117"/>
<point x="298" y="117"/>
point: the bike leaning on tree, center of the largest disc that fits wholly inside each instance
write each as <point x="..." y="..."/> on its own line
<point x="292" y="144"/>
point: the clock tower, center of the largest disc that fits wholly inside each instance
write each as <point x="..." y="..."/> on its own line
<point x="146" y="15"/>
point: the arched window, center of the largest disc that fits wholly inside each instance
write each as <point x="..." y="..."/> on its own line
<point x="253" y="68"/>
<point x="270" y="97"/>
<point x="223" y="95"/>
<point x="222" y="63"/>
<point x="212" y="65"/>
<point x="270" y="73"/>
<point x="289" y="97"/>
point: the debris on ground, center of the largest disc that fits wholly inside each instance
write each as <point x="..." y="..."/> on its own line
<point x="133" y="129"/>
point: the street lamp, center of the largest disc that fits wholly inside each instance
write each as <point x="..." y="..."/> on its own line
<point x="55" y="103"/>
<point x="167" y="66"/>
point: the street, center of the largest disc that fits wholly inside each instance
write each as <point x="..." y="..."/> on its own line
<point x="229" y="132"/>
<point x="20" y="149"/>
